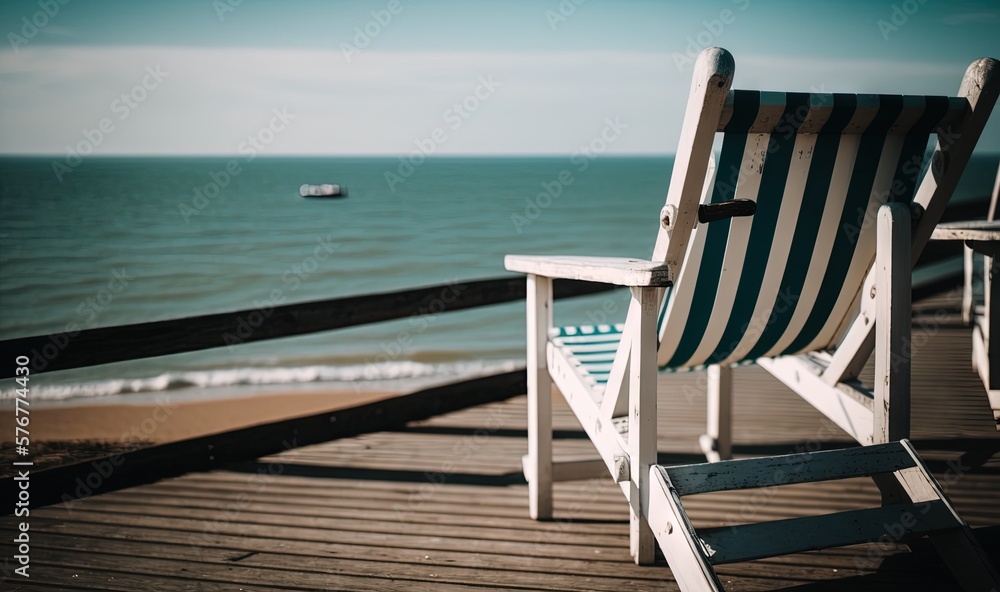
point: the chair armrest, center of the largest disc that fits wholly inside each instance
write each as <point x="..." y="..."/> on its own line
<point x="609" y="270"/>
<point x="979" y="235"/>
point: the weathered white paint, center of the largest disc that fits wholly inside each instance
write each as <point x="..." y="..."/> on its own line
<point x="609" y="270"/>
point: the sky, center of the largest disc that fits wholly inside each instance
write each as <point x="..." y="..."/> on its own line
<point x="362" y="77"/>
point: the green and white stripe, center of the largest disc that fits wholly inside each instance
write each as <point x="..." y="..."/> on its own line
<point x="784" y="280"/>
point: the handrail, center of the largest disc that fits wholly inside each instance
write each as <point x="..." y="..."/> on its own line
<point x="104" y="345"/>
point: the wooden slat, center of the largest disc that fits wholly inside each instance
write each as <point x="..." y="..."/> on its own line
<point x="132" y="342"/>
<point x="612" y="270"/>
<point x="36" y="585"/>
<point x="99" y="533"/>
<point x="388" y="518"/>
<point x="339" y="569"/>
<point x="792" y="468"/>
<point x="146" y="465"/>
<point x="783" y="537"/>
<point x="202" y="531"/>
<point x="354" y="497"/>
<point x="194" y="575"/>
<point x="47" y="576"/>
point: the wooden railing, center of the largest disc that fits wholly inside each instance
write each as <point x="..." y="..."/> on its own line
<point x="63" y="351"/>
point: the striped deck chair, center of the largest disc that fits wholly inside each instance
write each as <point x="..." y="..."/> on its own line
<point x="794" y="250"/>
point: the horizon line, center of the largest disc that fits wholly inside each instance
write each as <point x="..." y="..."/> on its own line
<point x="320" y="155"/>
<point x="353" y="155"/>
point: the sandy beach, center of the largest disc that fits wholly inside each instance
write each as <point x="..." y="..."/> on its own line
<point x="76" y="432"/>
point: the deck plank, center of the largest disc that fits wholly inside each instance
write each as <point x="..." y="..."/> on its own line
<point x="441" y="504"/>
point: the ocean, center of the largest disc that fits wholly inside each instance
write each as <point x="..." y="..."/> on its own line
<point x="116" y="241"/>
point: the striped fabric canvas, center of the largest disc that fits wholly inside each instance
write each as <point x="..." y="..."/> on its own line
<point x="782" y="281"/>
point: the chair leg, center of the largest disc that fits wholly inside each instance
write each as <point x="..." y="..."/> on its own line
<point x="967" y="559"/>
<point x="968" y="298"/>
<point x="642" y="422"/>
<point x="680" y="543"/>
<point x="991" y="326"/>
<point x="991" y="292"/>
<point x="958" y="547"/>
<point x="717" y="443"/>
<point x="539" y="300"/>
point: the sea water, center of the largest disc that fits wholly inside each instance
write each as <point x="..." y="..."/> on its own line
<point x="118" y="241"/>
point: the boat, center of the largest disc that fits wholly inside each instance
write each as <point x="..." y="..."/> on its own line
<point x="323" y="190"/>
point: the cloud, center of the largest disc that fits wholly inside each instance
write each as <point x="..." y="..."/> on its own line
<point x="792" y="73"/>
<point x="211" y="99"/>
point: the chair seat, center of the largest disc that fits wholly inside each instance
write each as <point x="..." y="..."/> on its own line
<point x="590" y="349"/>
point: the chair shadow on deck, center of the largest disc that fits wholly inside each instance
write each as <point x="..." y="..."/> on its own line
<point x="974" y="454"/>
<point x="921" y="568"/>
<point x="292" y="469"/>
<point x="501" y="432"/>
<point x="975" y="451"/>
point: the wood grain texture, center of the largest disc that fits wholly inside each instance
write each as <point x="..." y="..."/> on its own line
<point x="787" y="469"/>
<point x="612" y="270"/>
<point x="979" y="230"/>
<point x="69" y="484"/>
<point x="440" y="504"/>
<point x="766" y="539"/>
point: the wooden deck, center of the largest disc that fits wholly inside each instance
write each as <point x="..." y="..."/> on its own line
<point x="442" y="505"/>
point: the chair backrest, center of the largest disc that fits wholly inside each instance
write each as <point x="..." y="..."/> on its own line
<point x="818" y="165"/>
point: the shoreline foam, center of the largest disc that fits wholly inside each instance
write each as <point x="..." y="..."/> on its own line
<point x="227" y="383"/>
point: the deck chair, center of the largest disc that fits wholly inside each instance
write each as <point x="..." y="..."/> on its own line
<point x="984" y="238"/>
<point x="793" y="249"/>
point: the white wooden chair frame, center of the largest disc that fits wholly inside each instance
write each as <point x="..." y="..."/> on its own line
<point x="983" y="238"/>
<point x="622" y="426"/>
<point x="915" y="504"/>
